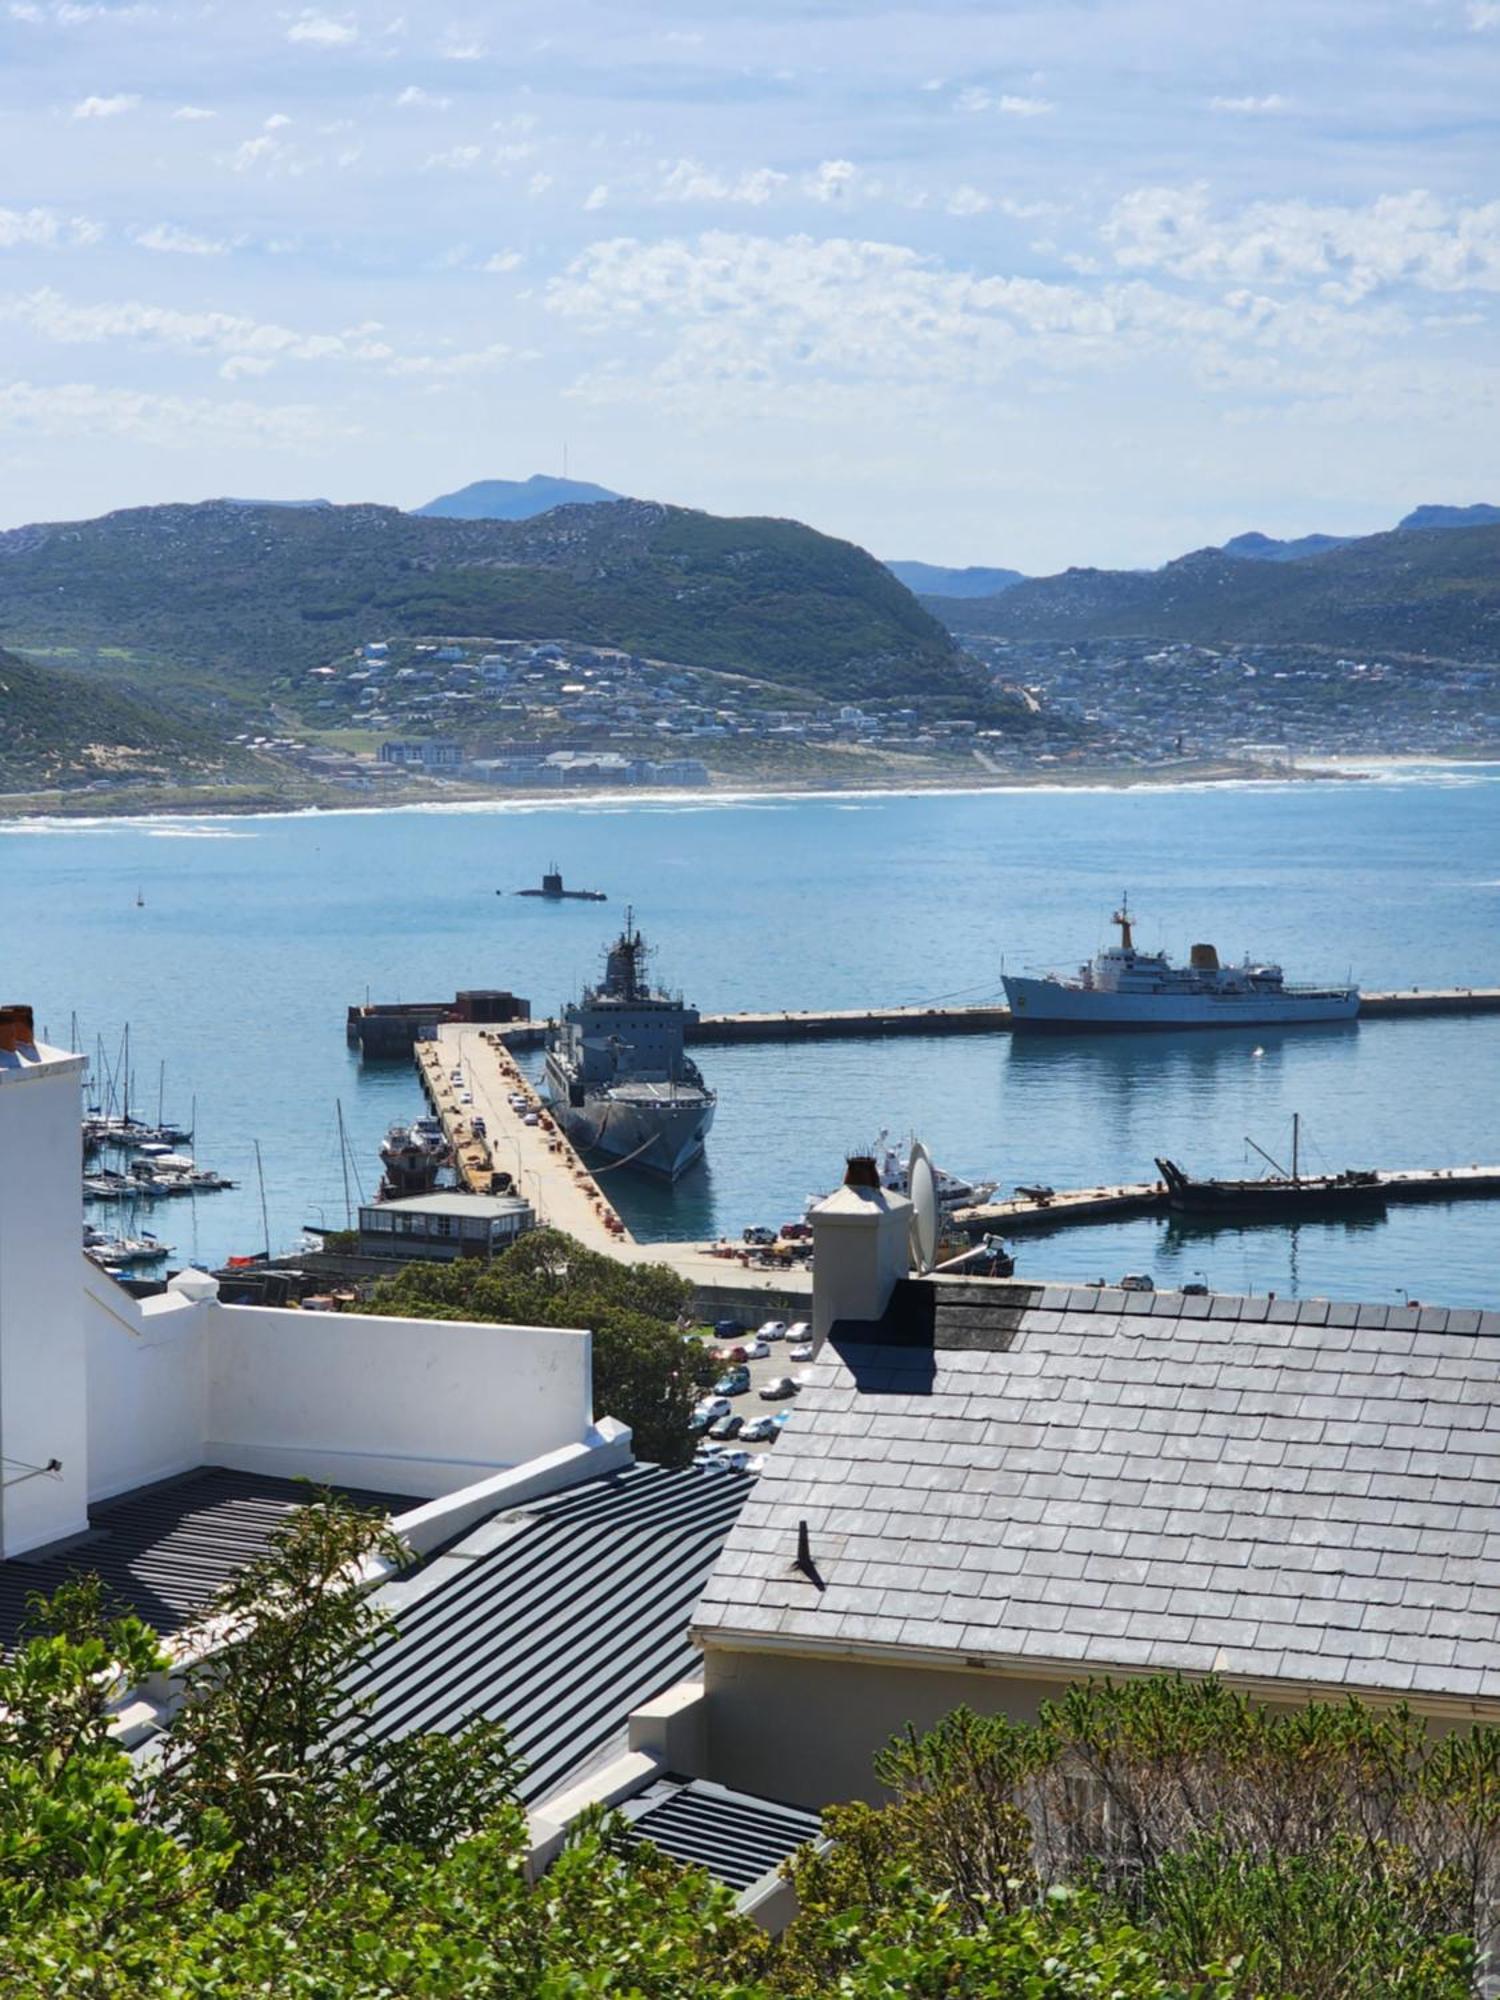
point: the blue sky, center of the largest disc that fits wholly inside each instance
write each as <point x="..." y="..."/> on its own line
<point x="1082" y="281"/>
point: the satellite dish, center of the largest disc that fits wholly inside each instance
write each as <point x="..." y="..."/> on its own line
<point x="921" y="1184"/>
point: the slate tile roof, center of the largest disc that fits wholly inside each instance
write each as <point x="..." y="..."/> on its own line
<point x="1087" y="1480"/>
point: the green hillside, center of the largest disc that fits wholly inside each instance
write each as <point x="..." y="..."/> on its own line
<point x="1406" y="592"/>
<point x="62" y="730"/>
<point x="239" y="596"/>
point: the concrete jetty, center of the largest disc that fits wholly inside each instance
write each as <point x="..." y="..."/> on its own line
<point x="1070" y="1207"/>
<point x="991" y="1018"/>
<point x="524" y="1142"/>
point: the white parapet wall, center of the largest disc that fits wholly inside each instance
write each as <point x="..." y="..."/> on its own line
<point x="411" y="1406"/>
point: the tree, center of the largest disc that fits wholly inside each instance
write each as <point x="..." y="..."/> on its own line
<point x="645" y="1373"/>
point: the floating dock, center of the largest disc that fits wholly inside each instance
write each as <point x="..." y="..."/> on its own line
<point x="870" y="1024"/>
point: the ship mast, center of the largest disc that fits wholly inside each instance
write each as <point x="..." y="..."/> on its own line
<point x="1122" y="918"/>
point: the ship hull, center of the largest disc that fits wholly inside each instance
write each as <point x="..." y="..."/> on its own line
<point x="661" y="1135"/>
<point x="1047" y="1006"/>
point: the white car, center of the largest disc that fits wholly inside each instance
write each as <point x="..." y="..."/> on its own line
<point x="714" y="1407"/>
<point x="773" y="1329"/>
<point x="803" y="1351"/>
<point x="531" y="1118"/>
<point x="799" y="1330"/>
<point x="779" y="1387"/>
<point x="754" y="1350"/>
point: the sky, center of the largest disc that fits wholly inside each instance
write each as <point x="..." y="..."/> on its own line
<point x="971" y="281"/>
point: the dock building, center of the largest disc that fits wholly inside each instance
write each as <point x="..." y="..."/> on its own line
<point x="439" y="1227"/>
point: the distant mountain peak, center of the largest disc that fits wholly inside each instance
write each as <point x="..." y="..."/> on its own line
<point x="1480" y="515"/>
<point x="934" y="580"/>
<point x="514" y="499"/>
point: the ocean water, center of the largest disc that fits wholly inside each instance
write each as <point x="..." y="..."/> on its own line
<point x="252" y="937"/>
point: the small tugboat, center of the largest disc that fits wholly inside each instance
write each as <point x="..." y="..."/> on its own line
<point x="1274" y="1197"/>
<point x="552" y="890"/>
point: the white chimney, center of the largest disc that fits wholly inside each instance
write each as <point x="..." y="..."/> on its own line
<point x="861" y="1249"/>
<point x="43" y="1383"/>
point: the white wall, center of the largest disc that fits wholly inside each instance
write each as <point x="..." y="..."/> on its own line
<point x="412" y="1406"/>
<point x="421" y="1405"/>
<point x="148" y="1386"/>
<point x="42" y="1369"/>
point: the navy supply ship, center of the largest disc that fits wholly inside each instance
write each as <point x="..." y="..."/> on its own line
<point x="1126" y="988"/>
<point x="617" y="1074"/>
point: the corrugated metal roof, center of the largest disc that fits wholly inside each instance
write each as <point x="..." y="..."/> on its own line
<point x="165" y="1550"/>
<point x="734" y="1835"/>
<point x="557" y="1619"/>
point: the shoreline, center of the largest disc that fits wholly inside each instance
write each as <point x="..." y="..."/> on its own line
<point x="1335" y="768"/>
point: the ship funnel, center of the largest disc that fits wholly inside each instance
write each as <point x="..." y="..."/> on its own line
<point x="1204" y="958"/>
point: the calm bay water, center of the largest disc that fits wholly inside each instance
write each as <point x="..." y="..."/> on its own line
<point x="255" y="935"/>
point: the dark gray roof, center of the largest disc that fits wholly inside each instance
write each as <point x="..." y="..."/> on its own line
<point x="557" y="1619"/>
<point x="163" y="1551"/>
<point x="1087" y="1480"/>
<point x="734" y="1835"/>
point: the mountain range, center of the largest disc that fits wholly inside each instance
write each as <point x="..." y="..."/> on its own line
<point x="515" y="499"/>
<point x="231" y="599"/>
<point x="1408" y="591"/>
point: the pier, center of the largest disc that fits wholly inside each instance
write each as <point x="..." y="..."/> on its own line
<point x="542" y="1165"/>
<point x="991" y="1018"/>
<point x="1023" y="1215"/>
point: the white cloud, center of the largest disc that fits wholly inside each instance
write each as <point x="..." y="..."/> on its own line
<point x="832" y="181"/>
<point x="86" y="410"/>
<point x="458" y="47"/>
<point x="322" y="31"/>
<point x="596" y="196"/>
<point x="538" y="184"/>
<point x="501" y="261"/>
<point x="166" y="236"/>
<point x="414" y="98"/>
<point x="687" y="180"/>
<point x="45" y="229"/>
<point x="193" y="112"/>
<point x="251" y="152"/>
<point x="1484" y="14"/>
<point x="1006" y="102"/>
<point x="275" y="122"/>
<point x="1251" y="107"/>
<point x="458" y="159"/>
<point x="105" y="107"/>
<point x="1397" y="240"/>
<point x="968" y="201"/>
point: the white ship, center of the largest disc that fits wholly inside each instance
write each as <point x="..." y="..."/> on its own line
<point x="1126" y="988"/>
<point x="618" y="1077"/>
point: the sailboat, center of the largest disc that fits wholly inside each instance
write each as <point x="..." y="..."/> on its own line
<point x="1355" y="1191"/>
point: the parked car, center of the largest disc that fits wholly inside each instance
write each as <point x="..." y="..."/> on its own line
<point x="727" y="1329"/>
<point x="759" y="1235"/>
<point x="697" y="1423"/>
<point x="756" y="1350"/>
<point x="796" y="1232"/>
<point x="712" y="1408"/>
<point x="760" y="1430"/>
<point x="728" y="1356"/>
<point x="726" y="1428"/>
<point x="799" y="1330"/>
<point x="778" y="1389"/>
<point x="733" y="1382"/>
<point x="773" y="1329"/>
<point x="803" y="1351"/>
<point x="1137" y="1281"/>
<point x="735" y="1461"/>
<point x="480" y="1130"/>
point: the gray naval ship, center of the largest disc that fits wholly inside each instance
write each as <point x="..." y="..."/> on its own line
<point x="618" y="1077"/>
